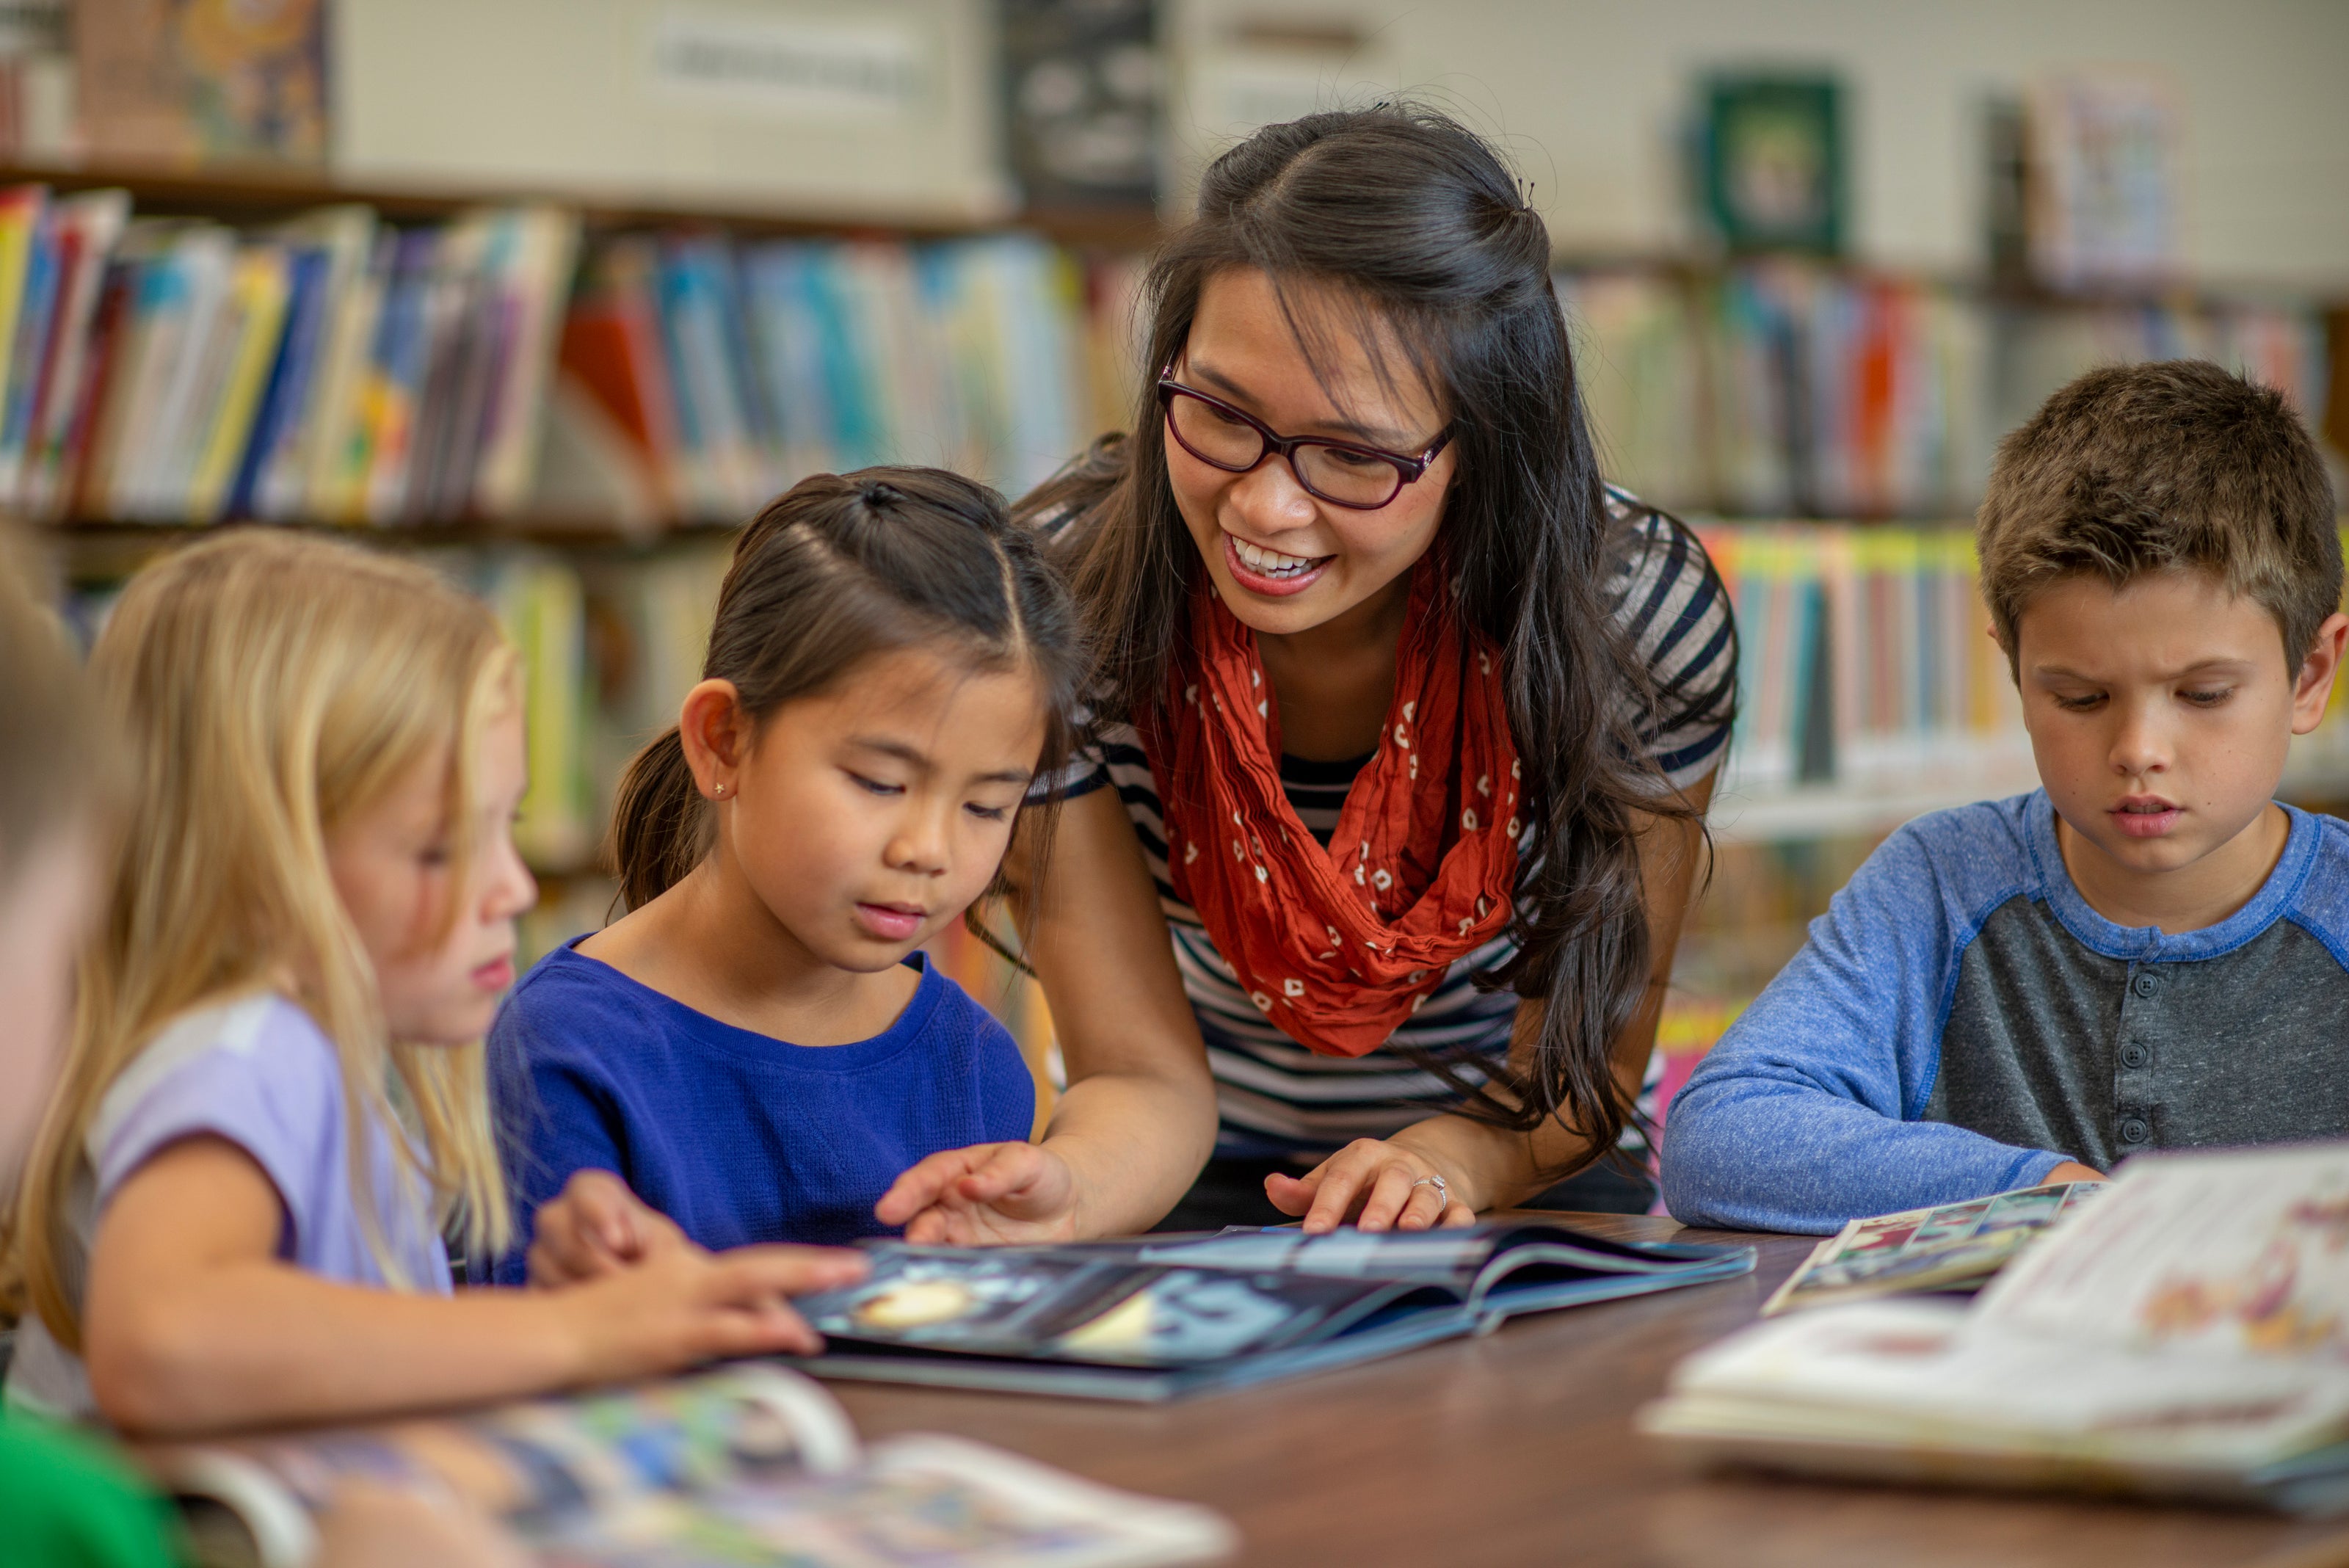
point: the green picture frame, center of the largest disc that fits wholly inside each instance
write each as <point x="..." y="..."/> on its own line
<point x="1771" y="163"/>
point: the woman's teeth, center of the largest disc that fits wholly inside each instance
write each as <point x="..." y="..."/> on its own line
<point x="1270" y="563"/>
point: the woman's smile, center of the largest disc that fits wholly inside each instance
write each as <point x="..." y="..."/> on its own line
<point x="1272" y="572"/>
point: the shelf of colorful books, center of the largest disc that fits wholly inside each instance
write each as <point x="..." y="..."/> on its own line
<point x="1806" y="388"/>
<point x="517" y="362"/>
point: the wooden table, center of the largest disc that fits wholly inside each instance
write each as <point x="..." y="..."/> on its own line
<point x="1518" y="1448"/>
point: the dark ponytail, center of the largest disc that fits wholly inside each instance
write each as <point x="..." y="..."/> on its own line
<point x="1410" y="230"/>
<point x="837" y="569"/>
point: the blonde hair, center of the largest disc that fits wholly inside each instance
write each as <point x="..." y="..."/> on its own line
<point x="271" y="686"/>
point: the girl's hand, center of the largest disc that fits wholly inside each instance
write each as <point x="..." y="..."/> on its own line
<point x="596" y="1226"/>
<point x="2073" y="1170"/>
<point x="1379" y="1184"/>
<point x="680" y="1307"/>
<point x="990" y="1194"/>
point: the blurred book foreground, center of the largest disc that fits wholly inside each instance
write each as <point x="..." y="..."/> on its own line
<point x="2185" y="1335"/>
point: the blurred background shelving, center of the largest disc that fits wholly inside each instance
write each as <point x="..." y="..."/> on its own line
<point x="556" y="292"/>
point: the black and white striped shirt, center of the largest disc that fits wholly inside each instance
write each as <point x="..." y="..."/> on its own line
<point x="1274" y="1095"/>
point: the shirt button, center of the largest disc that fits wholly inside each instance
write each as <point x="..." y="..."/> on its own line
<point x="2135" y="1130"/>
<point x="2134" y="1054"/>
<point x="2143" y="985"/>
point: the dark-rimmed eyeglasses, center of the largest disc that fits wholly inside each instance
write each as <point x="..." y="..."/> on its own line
<point x="1361" y="478"/>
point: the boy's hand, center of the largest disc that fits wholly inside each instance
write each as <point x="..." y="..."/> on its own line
<point x="680" y="1307"/>
<point x="2072" y="1170"/>
<point x="990" y="1194"/>
<point x="592" y="1227"/>
<point x="1379" y="1184"/>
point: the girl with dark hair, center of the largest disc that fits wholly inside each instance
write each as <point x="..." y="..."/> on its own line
<point x="756" y="1048"/>
<point x="1408" y="720"/>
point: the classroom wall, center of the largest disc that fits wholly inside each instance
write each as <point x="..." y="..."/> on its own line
<point x="829" y="108"/>
<point x="1589" y="93"/>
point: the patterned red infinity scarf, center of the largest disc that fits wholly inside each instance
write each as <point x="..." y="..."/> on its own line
<point x="1337" y="946"/>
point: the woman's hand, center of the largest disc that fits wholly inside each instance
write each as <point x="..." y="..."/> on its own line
<point x="989" y="1194"/>
<point x="596" y="1226"/>
<point x="1379" y="1184"/>
<point x="2073" y="1170"/>
<point x="680" y="1307"/>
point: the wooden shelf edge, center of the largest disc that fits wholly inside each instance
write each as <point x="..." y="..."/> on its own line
<point x="260" y="190"/>
<point x="110" y="535"/>
<point x="254" y="191"/>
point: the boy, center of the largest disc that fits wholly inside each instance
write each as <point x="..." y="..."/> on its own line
<point x="2146" y="953"/>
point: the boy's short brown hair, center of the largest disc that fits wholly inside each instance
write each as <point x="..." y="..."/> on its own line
<point x="2134" y="468"/>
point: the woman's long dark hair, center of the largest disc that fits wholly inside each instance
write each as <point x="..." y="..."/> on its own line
<point x="836" y="570"/>
<point x="1411" y="223"/>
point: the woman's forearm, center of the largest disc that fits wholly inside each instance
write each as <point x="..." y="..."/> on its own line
<point x="1499" y="1167"/>
<point x="1134" y="1142"/>
<point x="1138" y="1118"/>
<point x="1494" y="1167"/>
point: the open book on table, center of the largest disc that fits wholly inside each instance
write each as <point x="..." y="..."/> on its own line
<point x="1957" y="1247"/>
<point x="750" y="1465"/>
<point x="2185" y="1334"/>
<point x="1169" y="1315"/>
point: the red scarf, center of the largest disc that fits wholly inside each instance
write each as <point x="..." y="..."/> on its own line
<point x="1338" y="947"/>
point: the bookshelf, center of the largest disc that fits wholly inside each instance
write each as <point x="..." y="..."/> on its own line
<point x="1785" y="387"/>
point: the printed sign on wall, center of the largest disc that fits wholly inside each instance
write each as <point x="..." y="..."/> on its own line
<point x="801" y="67"/>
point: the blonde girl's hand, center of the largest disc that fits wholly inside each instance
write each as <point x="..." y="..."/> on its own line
<point x="990" y="1194"/>
<point x="680" y="1307"/>
<point x="1377" y="1183"/>
<point x="594" y="1227"/>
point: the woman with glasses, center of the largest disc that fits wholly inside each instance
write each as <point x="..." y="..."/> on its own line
<point x="1405" y="727"/>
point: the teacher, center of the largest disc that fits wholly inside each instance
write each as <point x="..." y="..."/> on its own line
<point x="1405" y="728"/>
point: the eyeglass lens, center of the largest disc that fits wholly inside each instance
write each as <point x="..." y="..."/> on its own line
<point x="1334" y="473"/>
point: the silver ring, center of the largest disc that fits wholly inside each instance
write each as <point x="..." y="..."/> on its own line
<point x="1442" y="1193"/>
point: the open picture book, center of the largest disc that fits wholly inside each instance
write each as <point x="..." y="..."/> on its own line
<point x="1169" y="1315"/>
<point x="751" y="1465"/>
<point x="2184" y="1334"/>
<point x="1957" y="1248"/>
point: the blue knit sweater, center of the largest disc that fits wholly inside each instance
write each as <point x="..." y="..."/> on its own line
<point x="736" y="1137"/>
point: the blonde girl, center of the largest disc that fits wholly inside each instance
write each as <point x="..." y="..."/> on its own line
<point x="273" y="1108"/>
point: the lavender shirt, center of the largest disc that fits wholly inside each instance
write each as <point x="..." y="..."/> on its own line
<point x="260" y="1073"/>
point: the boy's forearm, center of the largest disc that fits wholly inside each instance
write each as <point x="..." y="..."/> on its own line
<point x="1808" y="1162"/>
<point x="1134" y="1143"/>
